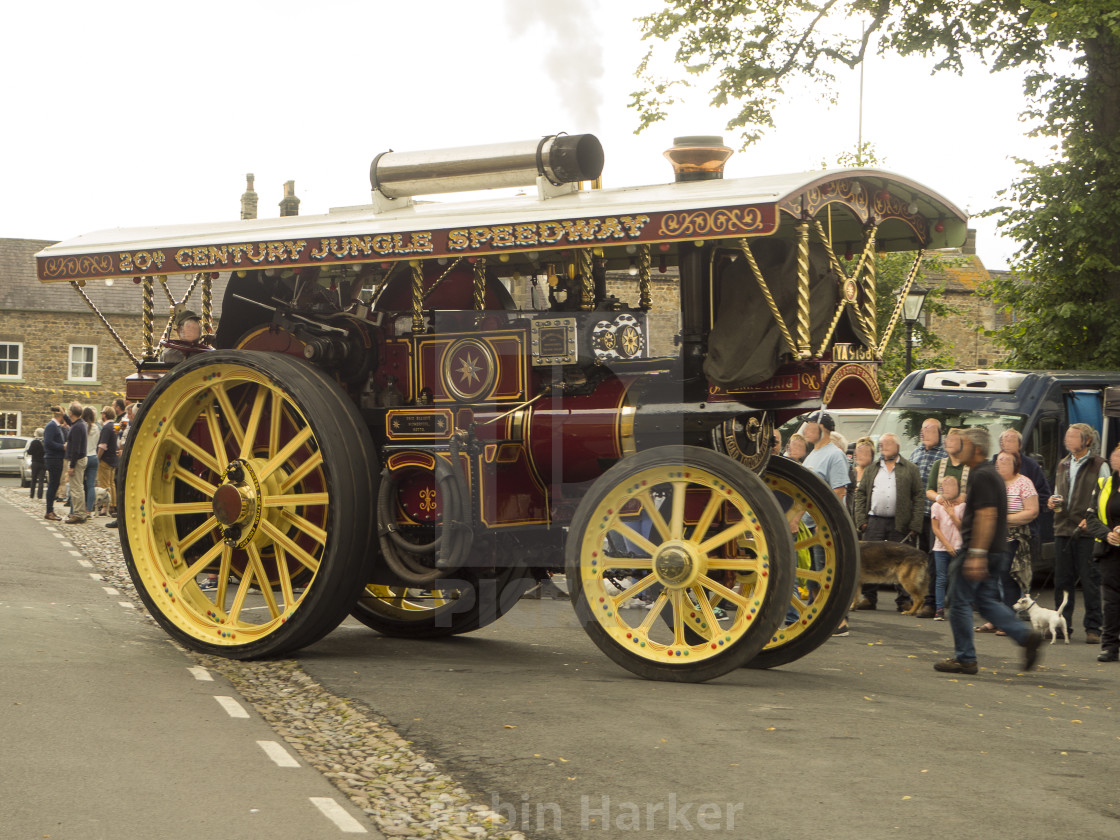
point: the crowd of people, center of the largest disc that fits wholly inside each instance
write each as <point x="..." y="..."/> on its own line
<point x="75" y="454"/>
<point x="976" y="514"/>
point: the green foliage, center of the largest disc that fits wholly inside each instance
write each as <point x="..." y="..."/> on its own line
<point x="1063" y="213"/>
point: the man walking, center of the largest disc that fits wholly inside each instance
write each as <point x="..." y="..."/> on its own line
<point x="924" y="456"/>
<point x="54" y="451"/>
<point x="76" y="444"/>
<point x="890" y="503"/>
<point x="1074" y="484"/>
<point x="974" y="574"/>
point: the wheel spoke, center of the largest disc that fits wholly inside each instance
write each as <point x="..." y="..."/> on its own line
<point x="242" y="594"/>
<point x="193" y="449"/>
<point x="291" y="500"/>
<point x="284" y="541"/>
<point x="735" y="564"/>
<point x="655" y="516"/>
<point x="676" y="520"/>
<point x="230" y="416"/>
<point x="641" y="586"/>
<point x="198" y="533"/>
<point x="725" y="536"/>
<point x="709" y="614"/>
<point x="198" y="483"/>
<point x="275" y="415"/>
<point x="276" y="460"/>
<point x="181" y="508"/>
<point x="195" y="568"/>
<point x="795" y="512"/>
<point x="654" y="612"/>
<point x="217" y="439"/>
<point x="676" y="598"/>
<point x="301" y="472"/>
<point x="252" y="428"/>
<point x="262" y="579"/>
<point x="282" y="571"/>
<point x="224" y="569"/>
<point x="636" y="538"/>
<point x="306" y="526"/>
<point x="708" y="516"/>
<point x="721" y="590"/>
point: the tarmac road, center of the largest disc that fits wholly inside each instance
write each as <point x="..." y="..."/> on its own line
<point x="861" y="739"/>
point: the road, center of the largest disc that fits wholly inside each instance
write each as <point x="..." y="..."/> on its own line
<point x="861" y="739"/>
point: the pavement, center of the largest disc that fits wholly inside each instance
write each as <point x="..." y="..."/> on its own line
<point x="112" y="731"/>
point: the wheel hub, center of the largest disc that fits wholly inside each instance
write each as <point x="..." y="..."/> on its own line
<point x="676" y="565"/>
<point x="235" y="504"/>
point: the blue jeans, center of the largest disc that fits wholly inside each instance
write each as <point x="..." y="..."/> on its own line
<point x="941" y="565"/>
<point x="984" y="594"/>
<point x="91" y="482"/>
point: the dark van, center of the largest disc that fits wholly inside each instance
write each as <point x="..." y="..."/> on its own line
<point x="1039" y="404"/>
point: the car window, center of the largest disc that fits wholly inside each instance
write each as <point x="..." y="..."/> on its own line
<point x="12" y="443"/>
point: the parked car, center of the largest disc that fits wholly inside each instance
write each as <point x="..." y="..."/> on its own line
<point x="12" y="449"/>
<point x="25" y="466"/>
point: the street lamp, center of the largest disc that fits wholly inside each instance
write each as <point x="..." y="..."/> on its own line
<point x="911" y="312"/>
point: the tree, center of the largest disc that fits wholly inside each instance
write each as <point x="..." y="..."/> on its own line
<point x="1063" y="213"/>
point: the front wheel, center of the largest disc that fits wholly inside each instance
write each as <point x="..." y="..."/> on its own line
<point x="244" y="512"/>
<point x="654" y="555"/>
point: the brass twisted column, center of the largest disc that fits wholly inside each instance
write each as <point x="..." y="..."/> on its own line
<point x="417" y="296"/>
<point x="645" y="293"/>
<point x="585" y="262"/>
<point x="803" y="333"/>
<point x="149" y="311"/>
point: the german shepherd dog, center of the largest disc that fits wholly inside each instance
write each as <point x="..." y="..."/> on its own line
<point x="892" y="562"/>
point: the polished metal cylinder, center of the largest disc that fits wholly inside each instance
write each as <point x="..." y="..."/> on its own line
<point x="561" y="158"/>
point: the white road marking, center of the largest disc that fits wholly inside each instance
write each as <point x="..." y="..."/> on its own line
<point x="66" y="544"/>
<point x="338" y="815"/>
<point x="96" y="576"/>
<point x="87" y="564"/>
<point x="109" y="590"/>
<point x="278" y="754"/>
<point x="57" y="535"/>
<point x="200" y="674"/>
<point x="232" y="707"/>
<point x="127" y="605"/>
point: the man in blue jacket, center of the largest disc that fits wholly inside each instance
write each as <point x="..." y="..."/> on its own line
<point x="54" y="450"/>
<point x="76" y="460"/>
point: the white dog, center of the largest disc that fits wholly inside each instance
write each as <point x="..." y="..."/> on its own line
<point x="1044" y="620"/>
<point x="101" y="501"/>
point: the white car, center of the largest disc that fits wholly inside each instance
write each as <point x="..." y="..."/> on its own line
<point x="12" y="449"/>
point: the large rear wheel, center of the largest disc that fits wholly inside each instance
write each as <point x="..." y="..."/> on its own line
<point x="245" y="503"/>
<point x="679" y="527"/>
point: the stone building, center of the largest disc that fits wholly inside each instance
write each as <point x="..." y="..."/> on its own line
<point x="962" y="278"/>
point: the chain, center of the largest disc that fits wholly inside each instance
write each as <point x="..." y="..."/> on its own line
<point x="105" y="321"/>
<point x="745" y="246"/>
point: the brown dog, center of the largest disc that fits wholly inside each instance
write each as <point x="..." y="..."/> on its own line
<point x="892" y="562"/>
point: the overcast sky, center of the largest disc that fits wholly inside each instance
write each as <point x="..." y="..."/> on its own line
<point x="126" y="113"/>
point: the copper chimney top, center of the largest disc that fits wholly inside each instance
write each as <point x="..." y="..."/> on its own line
<point x="698" y="158"/>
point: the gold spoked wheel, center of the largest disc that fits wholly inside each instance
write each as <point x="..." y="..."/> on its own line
<point x="245" y="513"/>
<point x="654" y="555"/>
<point x="462" y="603"/>
<point x="827" y="568"/>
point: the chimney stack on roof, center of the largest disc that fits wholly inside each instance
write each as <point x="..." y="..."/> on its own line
<point x="249" y="199"/>
<point x="969" y="247"/>
<point x="289" y="204"/>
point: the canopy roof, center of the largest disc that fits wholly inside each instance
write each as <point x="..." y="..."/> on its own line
<point x="846" y="203"/>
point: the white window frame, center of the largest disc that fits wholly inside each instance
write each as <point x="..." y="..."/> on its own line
<point x="19" y="362"/>
<point x="18" y="419"/>
<point x="70" y="363"/>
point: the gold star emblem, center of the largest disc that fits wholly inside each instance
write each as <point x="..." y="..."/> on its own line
<point x="630" y="341"/>
<point x="469" y="369"/>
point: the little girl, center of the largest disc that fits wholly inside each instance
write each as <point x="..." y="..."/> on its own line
<point x="945" y="520"/>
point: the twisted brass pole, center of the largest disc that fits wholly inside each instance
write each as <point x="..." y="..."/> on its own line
<point x="645" y="294"/>
<point x="803" y="337"/>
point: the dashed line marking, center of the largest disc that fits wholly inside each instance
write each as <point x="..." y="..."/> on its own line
<point x="280" y="756"/>
<point x="201" y="674"/>
<point x="338" y="815"/>
<point x="96" y="576"/>
<point x="232" y="707"/>
<point x="83" y="563"/>
<point x="65" y="544"/>
<point x="57" y="535"/>
<point x="109" y="590"/>
<point x="75" y="553"/>
<point x="127" y="605"/>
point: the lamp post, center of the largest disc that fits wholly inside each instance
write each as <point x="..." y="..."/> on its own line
<point x="911" y="312"/>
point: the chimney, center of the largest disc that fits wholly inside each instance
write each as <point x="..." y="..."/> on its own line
<point x="249" y="199"/>
<point x="968" y="249"/>
<point x="289" y="204"/>
<point x="698" y="158"/>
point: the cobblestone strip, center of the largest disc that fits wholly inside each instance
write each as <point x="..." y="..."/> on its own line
<point x="402" y="792"/>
